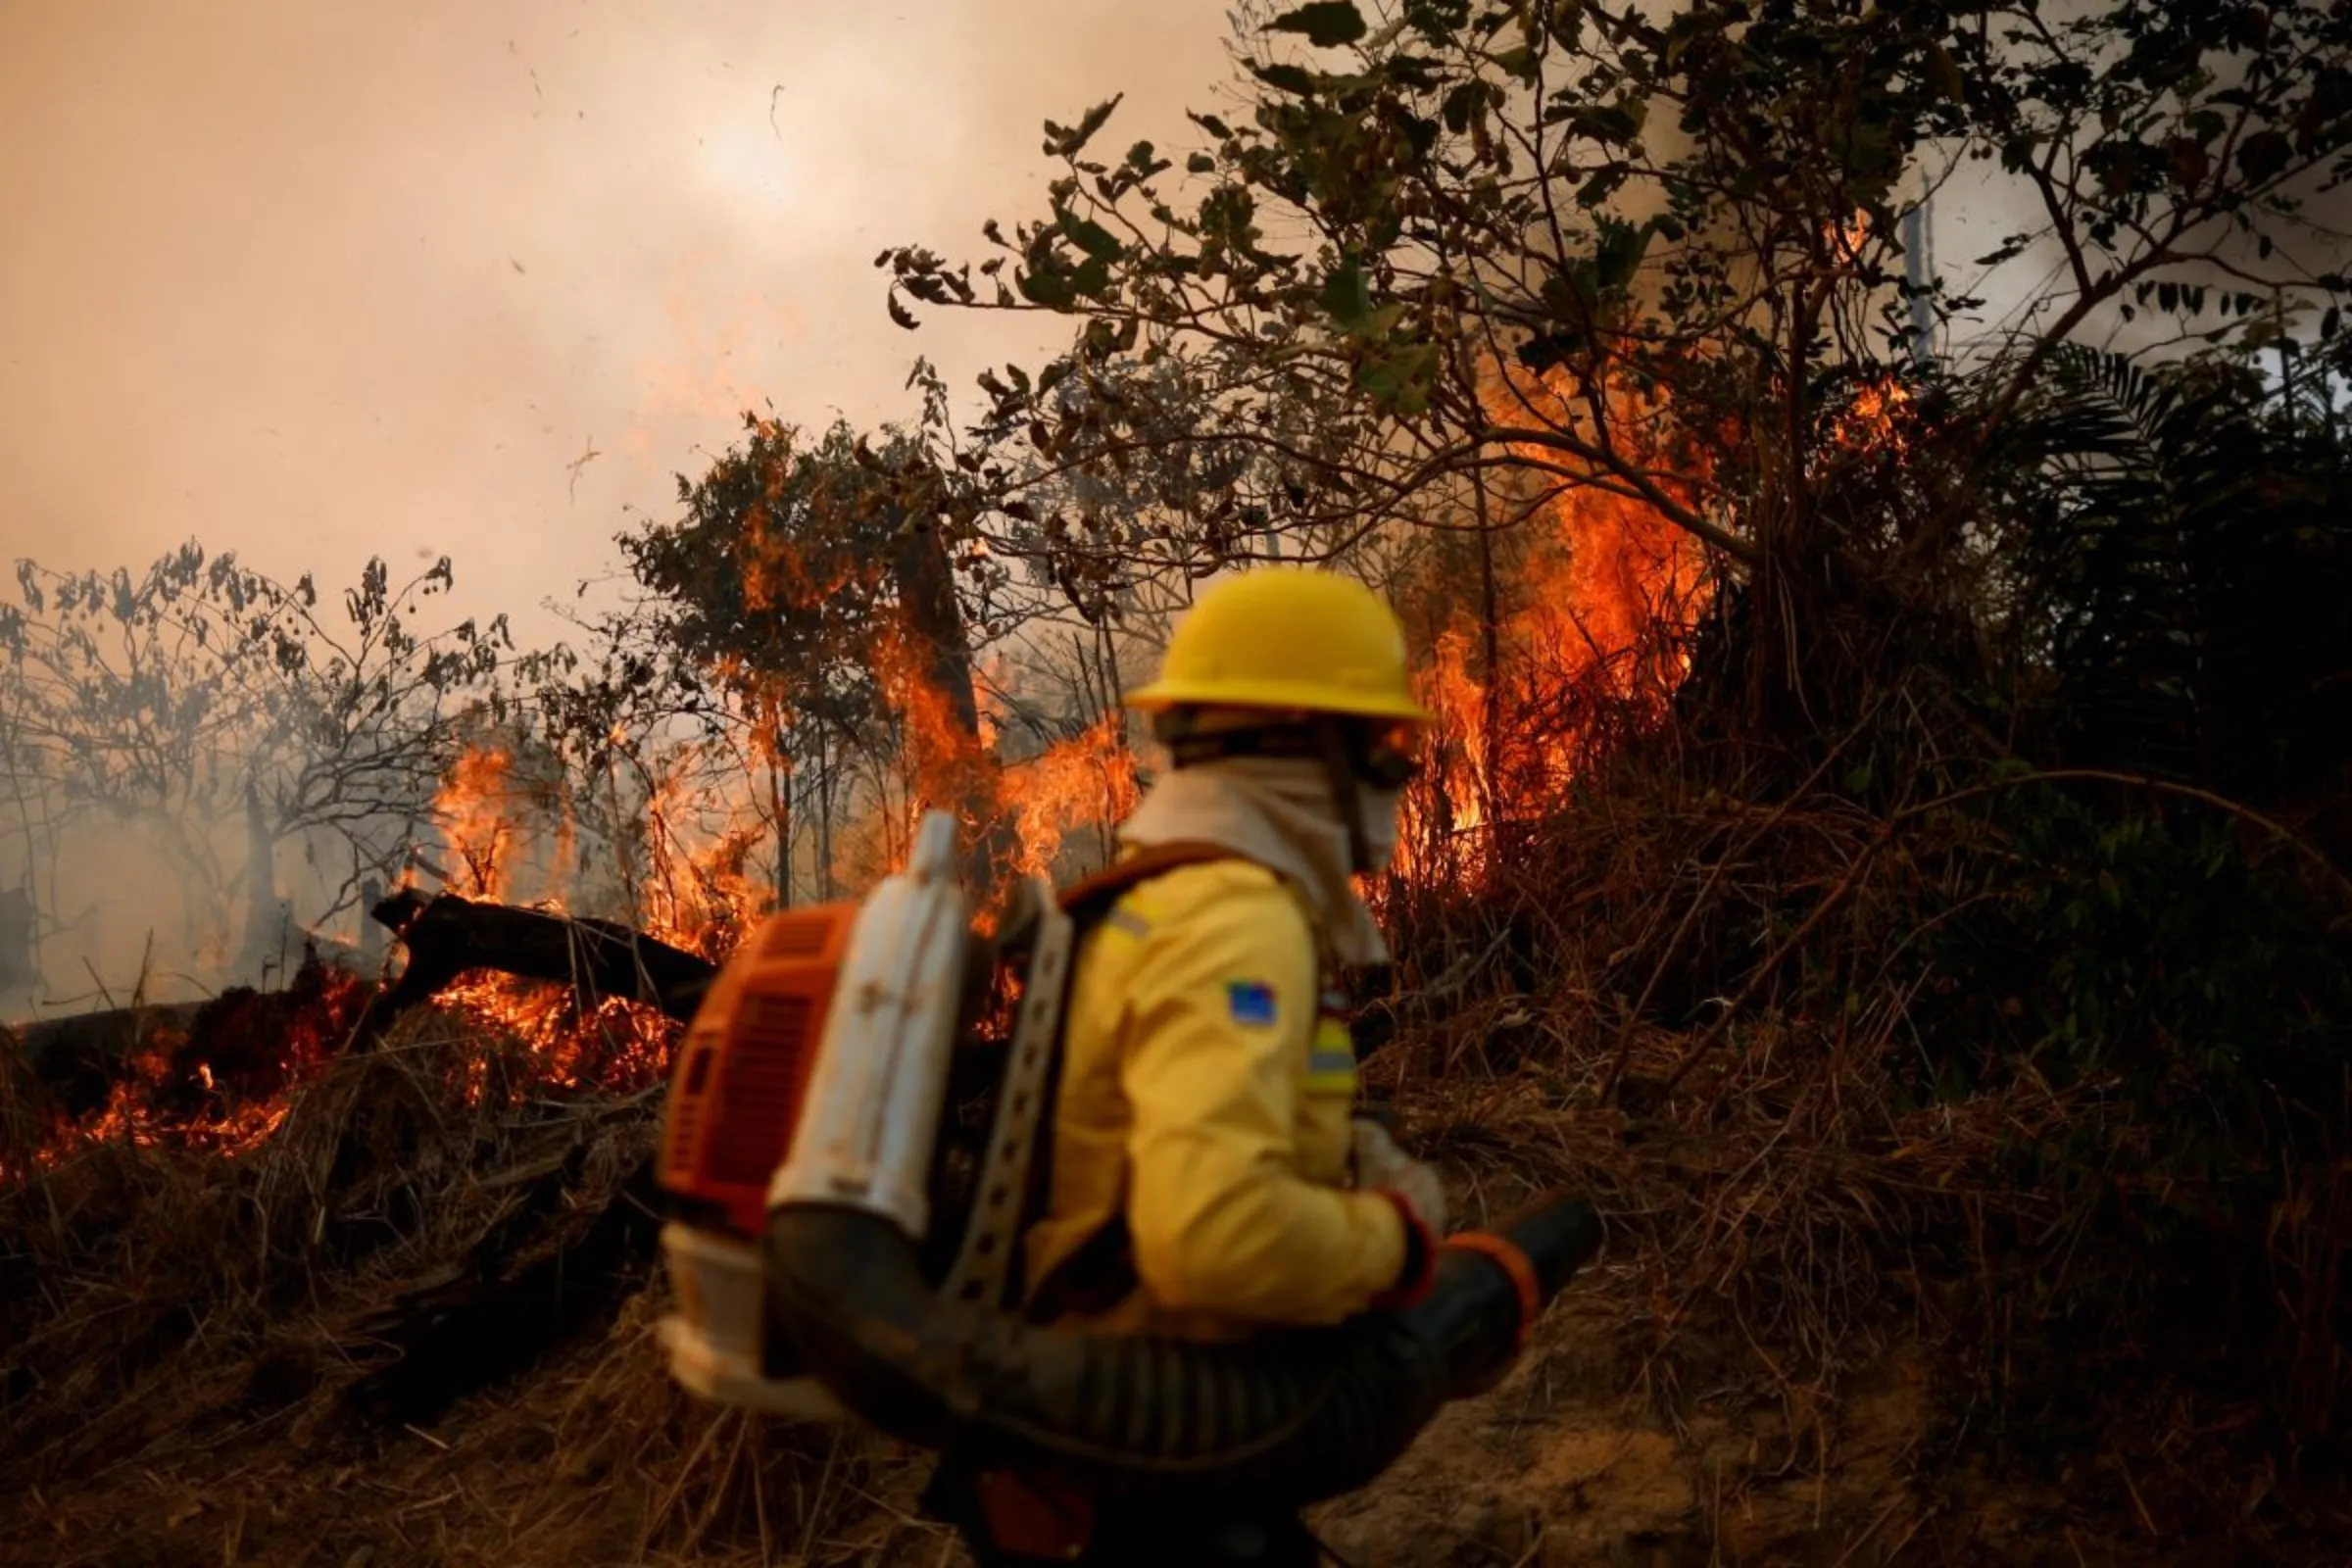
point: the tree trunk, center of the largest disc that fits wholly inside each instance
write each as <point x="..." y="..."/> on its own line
<point x="779" y="801"/>
<point x="954" y="770"/>
<point x="265" y="927"/>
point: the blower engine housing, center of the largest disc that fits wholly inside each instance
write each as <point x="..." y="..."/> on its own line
<point x="838" y="1018"/>
<point x="743" y="1071"/>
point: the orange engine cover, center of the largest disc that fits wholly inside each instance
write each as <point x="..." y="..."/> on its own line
<point x="736" y="1095"/>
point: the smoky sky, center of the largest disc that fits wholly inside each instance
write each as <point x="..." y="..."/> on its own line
<point x="316" y="280"/>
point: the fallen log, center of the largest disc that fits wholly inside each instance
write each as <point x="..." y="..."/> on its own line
<point x="241" y="1037"/>
<point x="446" y="935"/>
<point x="240" y="1044"/>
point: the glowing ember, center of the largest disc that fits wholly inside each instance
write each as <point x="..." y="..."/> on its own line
<point x="614" y="1045"/>
<point x="224" y="1084"/>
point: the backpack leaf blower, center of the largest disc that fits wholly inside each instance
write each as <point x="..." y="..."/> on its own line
<point x="822" y="1054"/>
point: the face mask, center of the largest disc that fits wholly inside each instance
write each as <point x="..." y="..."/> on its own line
<point x="1379" y="808"/>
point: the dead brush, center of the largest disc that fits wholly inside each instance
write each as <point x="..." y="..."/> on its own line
<point x="672" y="1480"/>
<point x="1750" y="1008"/>
<point x="1631" y="1003"/>
<point x="159" y="1294"/>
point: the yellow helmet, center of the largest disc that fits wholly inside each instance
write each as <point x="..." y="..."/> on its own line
<point x="1287" y="638"/>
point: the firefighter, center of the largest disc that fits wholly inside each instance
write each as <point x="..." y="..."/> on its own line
<point x="1208" y="1174"/>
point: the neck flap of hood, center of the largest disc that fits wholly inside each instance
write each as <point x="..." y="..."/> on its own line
<point x="1278" y="812"/>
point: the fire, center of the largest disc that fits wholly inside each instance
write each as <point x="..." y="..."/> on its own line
<point x="474" y="812"/>
<point x="1845" y="240"/>
<point x="1086" y="781"/>
<point x="222" y="1084"/>
<point x="1592" y="588"/>
<point x="1875" y="418"/>
<point x="614" y="1045"/>
<point x="702" y="900"/>
<point x="947" y="762"/>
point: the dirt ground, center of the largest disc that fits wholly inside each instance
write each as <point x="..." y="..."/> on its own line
<point x="592" y="1459"/>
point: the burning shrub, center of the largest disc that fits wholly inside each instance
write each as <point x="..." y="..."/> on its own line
<point x="147" y="1274"/>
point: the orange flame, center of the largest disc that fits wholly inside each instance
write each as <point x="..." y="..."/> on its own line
<point x="948" y="764"/>
<point x="1085" y="782"/>
<point x="1875" y="418"/>
<point x="224" y="1087"/>
<point x="474" y="811"/>
<point x="1593" y="590"/>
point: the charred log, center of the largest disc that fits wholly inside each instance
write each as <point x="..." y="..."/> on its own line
<point x="246" y="1043"/>
<point x="241" y="1044"/>
<point x="448" y="936"/>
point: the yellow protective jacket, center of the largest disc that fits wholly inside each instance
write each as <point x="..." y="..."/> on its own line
<point x="1201" y="1134"/>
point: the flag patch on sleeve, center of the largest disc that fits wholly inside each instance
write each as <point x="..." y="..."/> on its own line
<point x="1250" y="1003"/>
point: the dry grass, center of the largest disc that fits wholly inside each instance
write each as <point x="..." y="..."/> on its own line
<point x="412" y="1324"/>
<point x="1704" y="1005"/>
<point x="253" y="1359"/>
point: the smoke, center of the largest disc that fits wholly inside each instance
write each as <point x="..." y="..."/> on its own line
<point x="477" y="276"/>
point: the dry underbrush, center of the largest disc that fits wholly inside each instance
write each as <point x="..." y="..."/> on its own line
<point x="1721" y="1014"/>
<point x="308" y="1351"/>
<point x="414" y="1323"/>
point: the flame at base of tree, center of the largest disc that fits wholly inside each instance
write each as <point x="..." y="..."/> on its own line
<point x="473" y="811"/>
<point x="1586" y="629"/>
<point x="1085" y="783"/>
<point x="1020" y="813"/>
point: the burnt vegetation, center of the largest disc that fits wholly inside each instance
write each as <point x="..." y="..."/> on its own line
<point x="1889" y="829"/>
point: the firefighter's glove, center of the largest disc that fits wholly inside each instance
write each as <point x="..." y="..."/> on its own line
<point x="1380" y="1166"/>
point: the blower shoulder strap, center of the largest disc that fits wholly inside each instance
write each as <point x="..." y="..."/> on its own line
<point x="1102" y="1270"/>
<point x="1090" y="898"/>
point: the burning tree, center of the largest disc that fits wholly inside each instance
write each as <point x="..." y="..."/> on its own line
<point x="1652" y="266"/>
<point x="831" y="626"/>
<point x="1961" y="650"/>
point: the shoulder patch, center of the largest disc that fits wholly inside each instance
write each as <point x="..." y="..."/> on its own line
<point x="1250" y="1004"/>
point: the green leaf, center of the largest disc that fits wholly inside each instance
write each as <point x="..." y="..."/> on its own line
<point x="1287" y="79"/>
<point x="1347" y="297"/>
<point x="1062" y="143"/>
<point x="1462" y="103"/>
<point x="1400" y="381"/>
<point x="1200" y="163"/>
<point x="1548" y="348"/>
<point x="1050" y="289"/>
<point x="1619" y="255"/>
<point x="1092" y="237"/>
<point x="1327" y="23"/>
<point x="1608" y="123"/>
